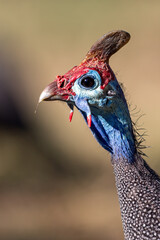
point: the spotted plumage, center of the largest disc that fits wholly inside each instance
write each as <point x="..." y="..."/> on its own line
<point x="94" y="90"/>
<point x="139" y="197"/>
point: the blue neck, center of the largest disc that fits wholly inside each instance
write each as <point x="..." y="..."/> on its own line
<point x="114" y="134"/>
<point x="111" y="122"/>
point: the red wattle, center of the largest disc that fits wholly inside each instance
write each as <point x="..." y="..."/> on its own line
<point x="89" y="120"/>
<point x="70" y="116"/>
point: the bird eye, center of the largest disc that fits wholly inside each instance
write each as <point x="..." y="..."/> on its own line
<point x="87" y="82"/>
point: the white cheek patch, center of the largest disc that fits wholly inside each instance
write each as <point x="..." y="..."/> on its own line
<point x="87" y="93"/>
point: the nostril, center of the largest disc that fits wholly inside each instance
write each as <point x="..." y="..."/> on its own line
<point x="62" y="84"/>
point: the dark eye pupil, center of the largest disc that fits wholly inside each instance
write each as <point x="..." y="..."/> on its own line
<point x="87" y="82"/>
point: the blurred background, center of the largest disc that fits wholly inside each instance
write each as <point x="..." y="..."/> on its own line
<point x="56" y="182"/>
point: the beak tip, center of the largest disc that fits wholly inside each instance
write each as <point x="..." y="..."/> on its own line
<point x="44" y="95"/>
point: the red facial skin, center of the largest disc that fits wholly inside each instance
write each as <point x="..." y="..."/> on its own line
<point x="61" y="88"/>
<point x="65" y="82"/>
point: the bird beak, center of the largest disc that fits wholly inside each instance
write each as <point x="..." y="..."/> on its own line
<point x="52" y="93"/>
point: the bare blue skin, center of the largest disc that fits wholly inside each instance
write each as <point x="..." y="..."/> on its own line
<point x="111" y="123"/>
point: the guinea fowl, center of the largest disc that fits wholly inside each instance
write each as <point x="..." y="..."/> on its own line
<point x="93" y="89"/>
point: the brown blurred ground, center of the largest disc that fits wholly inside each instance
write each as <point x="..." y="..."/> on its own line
<point x="56" y="182"/>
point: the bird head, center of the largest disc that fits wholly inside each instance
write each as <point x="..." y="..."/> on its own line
<point x="92" y="87"/>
